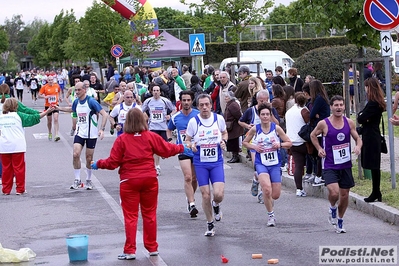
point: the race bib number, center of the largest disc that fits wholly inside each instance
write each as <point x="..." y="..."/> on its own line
<point x="60" y="81"/>
<point x="269" y="157"/>
<point x="82" y="119"/>
<point x="33" y="85"/>
<point x="52" y="99"/>
<point x="341" y="153"/>
<point x="208" y="153"/>
<point x="183" y="135"/>
<point x="157" y="115"/>
<point x="20" y="85"/>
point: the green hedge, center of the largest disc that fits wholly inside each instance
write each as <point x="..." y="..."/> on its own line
<point x="216" y="52"/>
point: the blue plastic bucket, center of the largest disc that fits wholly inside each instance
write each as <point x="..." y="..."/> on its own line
<point x="78" y="247"/>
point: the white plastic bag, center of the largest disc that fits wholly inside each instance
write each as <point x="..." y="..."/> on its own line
<point x="9" y="255"/>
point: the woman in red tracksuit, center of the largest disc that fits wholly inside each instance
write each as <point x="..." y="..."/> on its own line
<point x="133" y="153"/>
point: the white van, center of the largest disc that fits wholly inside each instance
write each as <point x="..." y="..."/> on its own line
<point x="270" y="59"/>
<point x="252" y="67"/>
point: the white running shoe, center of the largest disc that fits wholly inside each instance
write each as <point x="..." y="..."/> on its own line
<point x="158" y="168"/>
<point x="318" y="181"/>
<point x="210" y="229"/>
<point x="300" y="193"/>
<point x="271" y="222"/>
<point x="76" y="184"/>
<point x="89" y="185"/>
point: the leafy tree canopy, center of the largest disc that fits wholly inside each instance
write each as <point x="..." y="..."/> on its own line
<point x="334" y="14"/>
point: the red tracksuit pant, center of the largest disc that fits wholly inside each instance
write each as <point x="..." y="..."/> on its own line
<point x="143" y="192"/>
<point x="13" y="163"/>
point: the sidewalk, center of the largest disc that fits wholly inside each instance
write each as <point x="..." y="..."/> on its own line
<point x="377" y="209"/>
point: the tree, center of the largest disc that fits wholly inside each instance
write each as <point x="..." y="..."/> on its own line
<point x="282" y="14"/>
<point x="38" y="47"/>
<point x="333" y="14"/>
<point x="101" y="28"/>
<point x="59" y="31"/>
<point x="237" y="13"/>
<point x="144" y="41"/>
<point x="169" y="18"/>
<point x="14" y="28"/>
<point x="3" y="40"/>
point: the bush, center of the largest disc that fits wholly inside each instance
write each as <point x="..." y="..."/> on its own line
<point x="325" y="64"/>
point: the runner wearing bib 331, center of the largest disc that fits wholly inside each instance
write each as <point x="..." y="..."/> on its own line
<point x="51" y="92"/>
<point x="159" y="109"/>
<point x="266" y="143"/>
<point x="336" y="158"/>
<point x="208" y="133"/>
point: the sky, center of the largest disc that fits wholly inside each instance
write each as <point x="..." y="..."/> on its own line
<point x="42" y="9"/>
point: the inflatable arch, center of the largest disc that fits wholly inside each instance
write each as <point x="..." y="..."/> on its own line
<point x="127" y="9"/>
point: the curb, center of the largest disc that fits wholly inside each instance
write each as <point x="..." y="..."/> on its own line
<point x="377" y="209"/>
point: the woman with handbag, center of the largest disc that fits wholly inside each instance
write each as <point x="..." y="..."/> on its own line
<point x="231" y="115"/>
<point x="370" y="118"/>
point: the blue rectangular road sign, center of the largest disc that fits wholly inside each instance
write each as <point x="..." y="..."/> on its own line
<point x="197" y="44"/>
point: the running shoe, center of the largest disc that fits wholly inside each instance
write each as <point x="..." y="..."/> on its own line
<point x="89" y="185"/>
<point x="72" y="132"/>
<point x="283" y="168"/>
<point x="6" y="194"/>
<point x="193" y="211"/>
<point x="306" y="177"/>
<point x="217" y="213"/>
<point x="339" y="228"/>
<point x="111" y="131"/>
<point x="154" y="253"/>
<point x="332" y="216"/>
<point x="300" y="193"/>
<point x="318" y="181"/>
<point x="210" y="229"/>
<point x="21" y="193"/>
<point x="57" y="138"/>
<point x="271" y="222"/>
<point x="0" y="181"/>
<point x="260" y="198"/>
<point x="76" y="184"/>
<point x="126" y="256"/>
<point x="50" y="136"/>
<point x="254" y="188"/>
<point x="158" y="168"/>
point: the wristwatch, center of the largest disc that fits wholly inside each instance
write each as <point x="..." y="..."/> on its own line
<point x="170" y="139"/>
<point x="103" y="129"/>
<point x="225" y="141"/>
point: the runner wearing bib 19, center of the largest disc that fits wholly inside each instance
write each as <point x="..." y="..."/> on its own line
<point x="208" y="133"/>
<point x="51" y="92"/>
<point x="336" y="158"/>
<point x="266" y="143"/>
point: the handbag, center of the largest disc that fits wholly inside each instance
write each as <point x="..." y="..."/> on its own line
<point x="229" y="125"/>
<point x="305" y="131"/>
<point x="384" y="148"/>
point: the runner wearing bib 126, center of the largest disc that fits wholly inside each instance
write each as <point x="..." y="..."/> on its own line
<point x="209" y="135"/>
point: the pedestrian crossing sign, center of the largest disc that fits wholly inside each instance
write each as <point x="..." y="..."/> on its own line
<point x="197" y="44"/>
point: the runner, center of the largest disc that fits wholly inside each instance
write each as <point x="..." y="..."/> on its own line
<point x="158" y="110"/>
<point x="51" y="92"/>
<point x="120" y="111"/>
<point x="70" y="97"/>
<point x="179" y="121"/>
<point x="336" y="158"/>
<point x="87" y="110"/>
<point x="265" y="139"/>
<point x="208" y="133"/>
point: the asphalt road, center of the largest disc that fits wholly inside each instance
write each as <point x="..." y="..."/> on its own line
<point x="50" y="211"/>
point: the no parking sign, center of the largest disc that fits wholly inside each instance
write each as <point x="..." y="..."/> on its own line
<point x="381" y="14"/>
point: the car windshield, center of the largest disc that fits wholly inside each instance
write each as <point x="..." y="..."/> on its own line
<point x="252" y="68"/>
